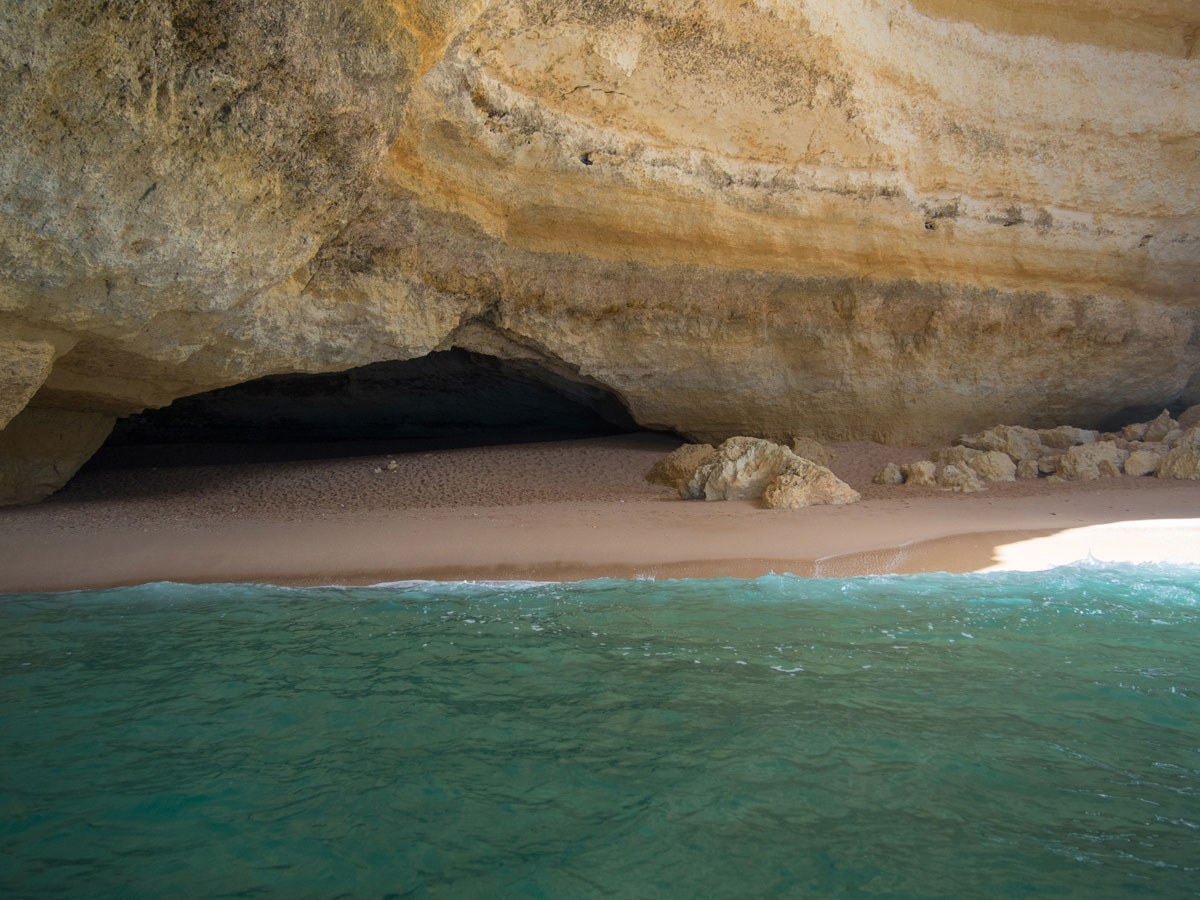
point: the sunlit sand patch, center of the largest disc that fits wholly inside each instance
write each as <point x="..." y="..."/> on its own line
<point x="1159" y="541"/>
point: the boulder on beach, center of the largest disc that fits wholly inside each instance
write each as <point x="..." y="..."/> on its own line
<point x="742" y="468"/>
<point x="677" y="467"/>
<point x="1088" y="462"/>
<point x="1065" y="436"/>
<point x="1048" y="464"/>
<point x="1190" y="417"/>
<point x="1134" y="431"/>
<point x="1188" y="439"/>
<point x="1028" y="468"/>
<point x="987" y="465"/>
<point x="920" y="473"/>
<point x="1159" y="428"/>
<point x="889" y="474"/>
<point x="1017" y="441"/>
<point x="960" y="478"/>
<point x="808" y="484"/>
<point x="1182" y="463"/>
<point x="956" y="455"/>
<point x="1142" y="462"/>
<point x="994" y="466"/>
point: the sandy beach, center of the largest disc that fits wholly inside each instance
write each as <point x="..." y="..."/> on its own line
<point x="556" y="511"/>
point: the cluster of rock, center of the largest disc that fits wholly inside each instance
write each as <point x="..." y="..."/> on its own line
<point x="1165" y="447"/>
<point x="747" y="468"/>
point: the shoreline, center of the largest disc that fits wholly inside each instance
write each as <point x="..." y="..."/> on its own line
<point x="204" y="524"/>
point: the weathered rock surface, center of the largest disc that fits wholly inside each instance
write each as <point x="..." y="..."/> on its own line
<point x="1028" y="468"/>
<point x="741" y="469"/>
<point x="808" y="448"/>
<point x="1064" y="436"/>
<point x="922" y="473"/>
<point x="41" y="449"/>
<point x="1189" y="439"/>
<point x="1142" y="462"/>
<point x="745" y="468"/>
<point x="24" y="366"/>
<point x="989" y="465"/>
<point x="1134" y="431"/>
<point x="1181" y="462"/>
<point x="808" y="484"/>
<point x="1190" y="417"/>
<point x="994" y="466"/>
<point x="889" y="474"/>
<point x="956" y="455"/>
<point x="676" y="468"/>
<point x="1016" y="441"/>
<point x="1088" y="462"/>
<point x="690" y="206"/>
<point x="1159" y="428"/>
<point x="961" y="479"/>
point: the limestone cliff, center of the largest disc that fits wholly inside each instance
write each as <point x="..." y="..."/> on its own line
<point x="897" y="219"/>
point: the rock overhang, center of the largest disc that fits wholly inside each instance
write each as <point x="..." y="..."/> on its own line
<point x="900" y="221"/>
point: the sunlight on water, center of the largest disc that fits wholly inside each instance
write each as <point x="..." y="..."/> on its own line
<point x="913" y="736"/>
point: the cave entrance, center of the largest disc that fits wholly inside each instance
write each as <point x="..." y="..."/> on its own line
<point x="446" y="399"/>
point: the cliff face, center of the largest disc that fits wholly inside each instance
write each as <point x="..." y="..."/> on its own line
<point x="895" y="220"/>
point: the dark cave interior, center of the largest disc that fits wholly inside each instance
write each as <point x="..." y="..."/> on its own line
<point x="446" y="399"/>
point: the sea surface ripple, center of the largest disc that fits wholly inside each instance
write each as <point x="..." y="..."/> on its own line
<point x="999" y="735"/>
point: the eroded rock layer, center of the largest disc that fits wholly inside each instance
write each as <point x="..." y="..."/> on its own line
<point x="897" y="220"/>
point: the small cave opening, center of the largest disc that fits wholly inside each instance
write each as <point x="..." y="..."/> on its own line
<point x="1145" y="413"/>
<point x="443" y="400"/>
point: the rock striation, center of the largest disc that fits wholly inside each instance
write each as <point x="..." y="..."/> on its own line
<point x="895" y="221"/>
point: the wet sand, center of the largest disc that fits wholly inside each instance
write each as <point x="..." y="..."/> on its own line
<point x="562" y="510"/>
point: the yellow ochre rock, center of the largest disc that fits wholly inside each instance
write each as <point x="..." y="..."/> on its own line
<point x="899" y="221"/>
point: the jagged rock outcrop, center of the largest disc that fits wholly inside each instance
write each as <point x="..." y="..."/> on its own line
<point x="897" y="221"/>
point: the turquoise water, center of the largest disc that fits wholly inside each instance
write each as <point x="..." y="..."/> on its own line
<point x="913" y="736"/>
